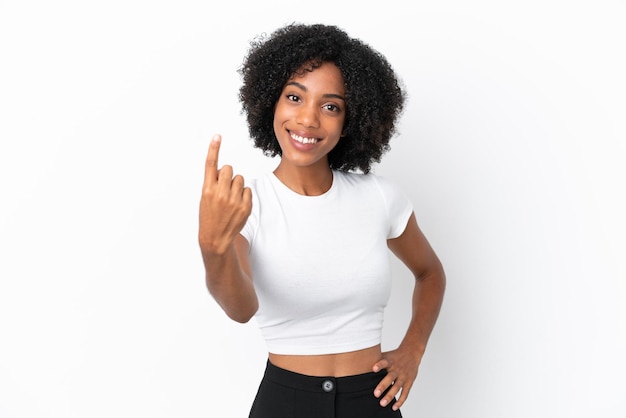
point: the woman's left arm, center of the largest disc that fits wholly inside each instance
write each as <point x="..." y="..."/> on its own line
<point x="402" y="364"/>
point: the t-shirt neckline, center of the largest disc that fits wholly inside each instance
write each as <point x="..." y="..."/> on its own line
<point x="286" y="189"/>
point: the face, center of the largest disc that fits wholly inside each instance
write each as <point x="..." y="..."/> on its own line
<point x="309" y="116"/>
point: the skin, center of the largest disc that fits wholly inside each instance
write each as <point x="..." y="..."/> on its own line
<point x="312" y="106"/>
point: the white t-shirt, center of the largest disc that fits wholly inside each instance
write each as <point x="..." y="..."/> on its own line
<point x="320" y="264"/>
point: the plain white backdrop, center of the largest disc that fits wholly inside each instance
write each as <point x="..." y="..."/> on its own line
<point x="512" y="149"/>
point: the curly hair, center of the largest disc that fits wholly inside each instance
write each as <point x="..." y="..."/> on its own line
<point x="374" y="97"/>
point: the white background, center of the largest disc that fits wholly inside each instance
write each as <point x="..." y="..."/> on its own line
<point x="512" y="148"/>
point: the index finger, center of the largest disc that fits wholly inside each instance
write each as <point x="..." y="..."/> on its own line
<point x="210" y="168"/>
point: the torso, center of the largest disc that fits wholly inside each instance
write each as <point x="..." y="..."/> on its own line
<point x="337" y="365"/>
<point x="325" y="303"/>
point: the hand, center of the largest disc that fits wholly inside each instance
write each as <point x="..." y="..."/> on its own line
<point x="225" y="204"/>
<point x="402" y="365"/>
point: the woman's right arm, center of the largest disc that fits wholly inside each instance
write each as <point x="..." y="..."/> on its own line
<point x="224" y="208"/>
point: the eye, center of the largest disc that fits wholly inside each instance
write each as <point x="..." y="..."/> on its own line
<point x="332" y="108"/>
<point x="292" y="98"/>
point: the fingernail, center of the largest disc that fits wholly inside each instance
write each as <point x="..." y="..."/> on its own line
<point x="216" y="138"/>
<point x="377" y="393"/>
<point x="383" y="402"/>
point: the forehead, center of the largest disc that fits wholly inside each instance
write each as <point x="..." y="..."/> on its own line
<point x="325" y="76"/>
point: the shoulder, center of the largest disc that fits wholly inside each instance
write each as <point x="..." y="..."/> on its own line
<point x="364" y="181"/>
<point x="370" y="187"/>
<point x="375" y="187"/>
<point x="261" y="183"/>
<point x="354" y="178"/>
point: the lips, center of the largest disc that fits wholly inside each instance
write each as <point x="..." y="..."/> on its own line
<point x="302" y="139"/>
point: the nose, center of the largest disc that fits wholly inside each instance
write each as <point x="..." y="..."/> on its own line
<point x="307" y="116"/>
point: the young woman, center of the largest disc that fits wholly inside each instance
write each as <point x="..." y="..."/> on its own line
<point x="305" y="249"/>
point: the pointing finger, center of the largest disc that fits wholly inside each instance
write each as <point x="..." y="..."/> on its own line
<point x="210" y="168"/>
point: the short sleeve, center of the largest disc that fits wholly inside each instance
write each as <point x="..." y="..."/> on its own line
<point x="399" y="207"/>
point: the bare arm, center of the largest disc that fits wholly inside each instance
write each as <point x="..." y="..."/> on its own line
<point x="402" y="364"/>
<point x="224" y="208"/>
<point x="415" y="252"/>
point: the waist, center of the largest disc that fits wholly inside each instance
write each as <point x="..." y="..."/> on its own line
<point x="342" y="384"/>
<point x="336" y="365"/>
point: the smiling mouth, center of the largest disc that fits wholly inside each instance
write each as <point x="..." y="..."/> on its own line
<point x="303" y="140"/>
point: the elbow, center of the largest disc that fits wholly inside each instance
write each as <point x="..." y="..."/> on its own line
<point x="239" y="311"/>
<point x="440" y="274"/>
<point x="441" y="277"/>
<point x="242" y="316"/>
<point x="239" y="305"/>
<point x="434" y="275"/>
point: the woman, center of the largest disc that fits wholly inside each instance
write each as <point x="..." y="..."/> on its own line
<point x="304" y="249"/>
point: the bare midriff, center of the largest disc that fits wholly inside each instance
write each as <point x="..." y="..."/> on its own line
<point x="337" y="365"/>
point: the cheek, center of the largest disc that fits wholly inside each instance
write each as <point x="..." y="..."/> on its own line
<point x="281" y="113"/>
<point x="340" y="128"/>
<point x="277" y="119"/>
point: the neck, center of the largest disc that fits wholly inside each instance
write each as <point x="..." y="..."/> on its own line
<point x="307" y="181"/>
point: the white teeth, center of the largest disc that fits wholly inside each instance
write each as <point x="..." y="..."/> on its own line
<point x="303" y="140"/>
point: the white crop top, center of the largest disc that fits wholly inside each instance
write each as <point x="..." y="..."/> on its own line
<point x="320" y="264"/>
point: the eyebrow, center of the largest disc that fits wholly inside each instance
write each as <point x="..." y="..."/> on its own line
<point x="327" y="95"/>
